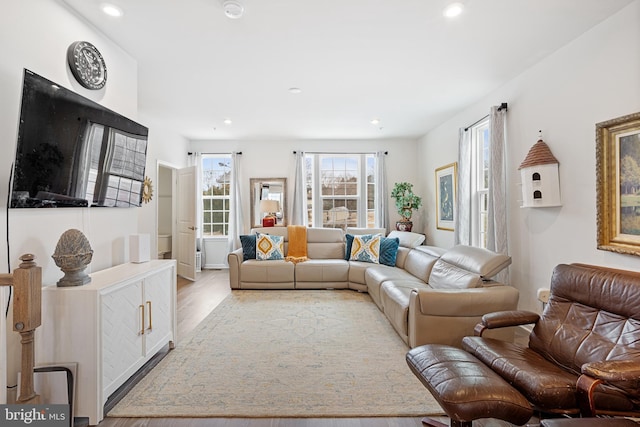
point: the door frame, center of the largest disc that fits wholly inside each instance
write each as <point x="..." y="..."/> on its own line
<point x="174" y="168"/>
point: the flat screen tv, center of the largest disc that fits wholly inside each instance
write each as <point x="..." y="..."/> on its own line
<point x="73" y="152"/>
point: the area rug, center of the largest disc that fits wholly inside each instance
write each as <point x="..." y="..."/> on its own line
<point x="328" y="353"/>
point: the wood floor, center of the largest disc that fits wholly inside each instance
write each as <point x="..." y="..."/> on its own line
<point x="195" y="301"/>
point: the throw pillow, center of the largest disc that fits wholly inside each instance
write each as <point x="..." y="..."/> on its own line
<point x="347" y="247"/>
<point x="366" y="248"/>
<point x="248" y="246"/>
<point x="269" y="247"/>
<point x="389" y="251"/>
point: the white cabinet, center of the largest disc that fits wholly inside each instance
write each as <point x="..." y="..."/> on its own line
<point x="111" y="327"/>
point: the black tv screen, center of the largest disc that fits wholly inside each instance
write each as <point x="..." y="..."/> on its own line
<point x="73" y="152"/>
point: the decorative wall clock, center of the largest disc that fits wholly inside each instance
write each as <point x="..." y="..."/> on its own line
<point x="87" y="65"/>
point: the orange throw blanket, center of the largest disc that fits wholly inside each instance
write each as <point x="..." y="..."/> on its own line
<point x="297" y="251"/>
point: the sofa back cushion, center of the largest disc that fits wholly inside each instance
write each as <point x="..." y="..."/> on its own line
<point x="593" y="314"/>
<point x="477" y="260"/>
<point x="448" y="276"/>
<point x="419" y="263"/>
<point x="408" y="239"/>
<point x="325" y="243"/>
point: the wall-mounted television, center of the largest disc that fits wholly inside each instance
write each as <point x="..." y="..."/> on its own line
<point x="73" y="152"/>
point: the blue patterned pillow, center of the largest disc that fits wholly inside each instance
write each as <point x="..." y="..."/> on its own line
<point x="269" y="247"/>
<point x="366" y="248"/>
<point x="389" y="251"/>
<point x="248" y="246"/>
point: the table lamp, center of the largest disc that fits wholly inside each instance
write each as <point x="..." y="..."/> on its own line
<point x="270" y="207"/>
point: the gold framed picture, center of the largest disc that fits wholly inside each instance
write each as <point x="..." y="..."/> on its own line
<point x="446" y="187"/>
<point x="618" y="184"/>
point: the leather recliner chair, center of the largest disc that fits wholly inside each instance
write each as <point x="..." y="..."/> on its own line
<point x="583" y="356"/>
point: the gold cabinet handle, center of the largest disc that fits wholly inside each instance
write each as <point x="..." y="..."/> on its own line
<point x="150" y="322"/>
<point x="141" y="319"/>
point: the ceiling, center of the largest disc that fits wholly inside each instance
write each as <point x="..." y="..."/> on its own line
<point x="399" y="61"/>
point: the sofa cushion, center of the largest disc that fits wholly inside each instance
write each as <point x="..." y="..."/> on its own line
<point x="325" y="243"/>
<point x="388" y="250"/>
<point x="477" y="260"/>
<point x="269" y="247"/>
<point x="322" y="270"/>
<point x="408" y="239"/>
<point x="419" y="263"/>
<point x="448" y="276"/>
<point x="248" y="246"/>
<point x="366" y="248"/>
<point x="278" y="271"/>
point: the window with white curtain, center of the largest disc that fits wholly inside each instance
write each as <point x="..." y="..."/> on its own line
<point x="216" y="202"/>
<point x="479" y="182"/>
<point x="340" y="190"/>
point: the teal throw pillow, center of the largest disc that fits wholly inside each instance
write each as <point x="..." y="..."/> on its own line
<point x="389" y="251"/>
<point x="248" y="246"/>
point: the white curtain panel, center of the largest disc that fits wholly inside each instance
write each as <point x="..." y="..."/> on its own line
<point x="462" y="220"/>
<point x="497" y="212"/>
<point x="236" y="217"/>
<point x="381" y="200"/>
<point x="298" y="210"/>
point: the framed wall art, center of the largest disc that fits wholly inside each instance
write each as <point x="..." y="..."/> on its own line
<point x="618" y="184"/>
<point x="446" y="187"/>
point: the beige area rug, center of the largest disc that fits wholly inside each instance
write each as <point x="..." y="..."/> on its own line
<point x="285" y="354"/>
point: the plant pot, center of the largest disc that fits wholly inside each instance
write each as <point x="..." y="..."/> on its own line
<point x="404" y="225"/>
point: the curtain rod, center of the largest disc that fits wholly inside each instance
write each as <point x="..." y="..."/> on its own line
<point x="325" y="152"/>
<point x="190" y="153"/>
<point x="502" y="106"/>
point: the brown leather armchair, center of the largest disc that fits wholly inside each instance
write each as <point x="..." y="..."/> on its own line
<point x="583" y="355"/>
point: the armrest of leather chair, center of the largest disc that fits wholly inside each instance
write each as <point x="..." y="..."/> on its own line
<point x="613" y="370"/>
<point x="234" y="259"/>
<point x="625" y="372"/>
<point x="504" y="319"/>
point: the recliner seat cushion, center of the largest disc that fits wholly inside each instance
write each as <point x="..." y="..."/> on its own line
<point x="544" y="383"/>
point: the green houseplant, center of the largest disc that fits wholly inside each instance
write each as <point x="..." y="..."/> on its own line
<point x="406" y="202"/>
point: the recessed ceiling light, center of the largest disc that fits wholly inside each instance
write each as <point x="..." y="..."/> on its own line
<point x="112" y="10"/>
<point x="375" y="122"/>
<point x="295" y="90"/>
<point x="453" y="10"/>
<point x="227" y="121"/>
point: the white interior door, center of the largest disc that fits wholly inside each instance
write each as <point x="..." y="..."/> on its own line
<point x="186" y="221"/>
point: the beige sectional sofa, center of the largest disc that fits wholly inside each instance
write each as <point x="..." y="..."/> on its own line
<point x="432" y="295"/>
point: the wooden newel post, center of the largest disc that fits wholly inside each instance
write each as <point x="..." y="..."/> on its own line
<point x="27" y="284"/>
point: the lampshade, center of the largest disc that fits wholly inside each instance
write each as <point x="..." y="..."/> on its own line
<point x="269" y="206"/>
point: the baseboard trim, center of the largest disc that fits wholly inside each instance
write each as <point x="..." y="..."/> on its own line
<point x="125" y="388"/>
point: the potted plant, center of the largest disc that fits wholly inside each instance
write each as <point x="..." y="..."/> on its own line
<point x="406" y="202"/>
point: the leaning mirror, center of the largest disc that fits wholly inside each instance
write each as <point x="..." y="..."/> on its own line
<point x="268" y="199"/>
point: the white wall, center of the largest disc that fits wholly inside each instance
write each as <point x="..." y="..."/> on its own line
<point x="35" y="35"/>
<point x="275" y="159"/>
<point x="592" y="79"/>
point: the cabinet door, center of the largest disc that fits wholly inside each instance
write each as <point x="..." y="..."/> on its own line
<point x="158" y="292"/>
<point x="122" y="324"/>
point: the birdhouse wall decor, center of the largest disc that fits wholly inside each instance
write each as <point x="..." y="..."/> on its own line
<point x="540" y="177"/>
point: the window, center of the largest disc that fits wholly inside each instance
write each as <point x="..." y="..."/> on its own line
<point x="341" y="190"/>
<point x="480" y="182"/>
<point x="216" y="184"/>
